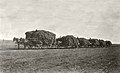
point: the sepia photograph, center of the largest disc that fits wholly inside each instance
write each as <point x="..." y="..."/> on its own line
<point x="59" y="36"/>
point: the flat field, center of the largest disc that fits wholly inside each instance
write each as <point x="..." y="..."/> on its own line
<point x="81" y="60"/>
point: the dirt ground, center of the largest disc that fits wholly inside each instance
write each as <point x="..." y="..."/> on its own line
<point x="81" y="60"/>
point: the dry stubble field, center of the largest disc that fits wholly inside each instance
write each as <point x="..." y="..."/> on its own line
<point x="82" y="60"/>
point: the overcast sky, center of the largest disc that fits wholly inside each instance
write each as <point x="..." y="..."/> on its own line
<point x="82" y="18"/>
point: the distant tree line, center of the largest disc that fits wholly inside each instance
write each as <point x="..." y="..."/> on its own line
<point x="46" y="39"/>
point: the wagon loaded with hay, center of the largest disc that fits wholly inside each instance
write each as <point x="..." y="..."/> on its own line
<point x="46" y="39"/>
<point x="40" y="38"/>
<point x="68" y="41"/>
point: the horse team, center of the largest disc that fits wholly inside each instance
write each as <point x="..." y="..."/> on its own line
<point x="46" y="39"/>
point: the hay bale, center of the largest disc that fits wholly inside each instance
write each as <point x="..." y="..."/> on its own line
<point x="47" y="38"/>
<point x="83" y="42"/>
<point x="68" y="41"/>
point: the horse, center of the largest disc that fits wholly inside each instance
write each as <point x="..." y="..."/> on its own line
<point x="17" y="41"/>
